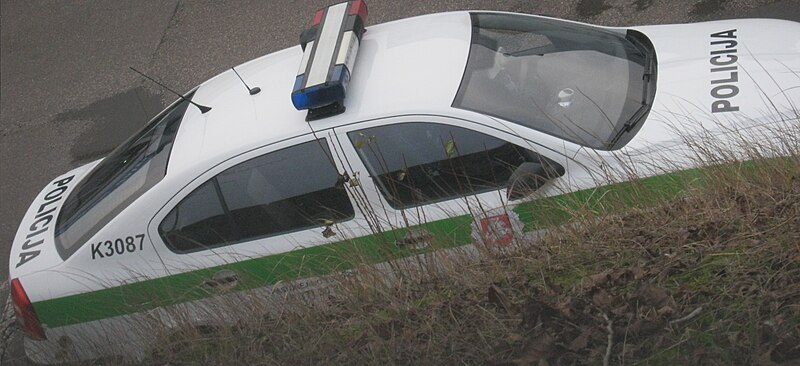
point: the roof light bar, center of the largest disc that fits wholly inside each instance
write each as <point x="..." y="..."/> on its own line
<point x="329" y="47"/>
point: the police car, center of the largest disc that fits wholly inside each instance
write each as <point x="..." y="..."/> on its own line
<point x="382" y="140"/>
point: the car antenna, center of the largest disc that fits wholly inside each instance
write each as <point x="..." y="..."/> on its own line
<point x="203" y="109"/>
<point x="253" y="91"/>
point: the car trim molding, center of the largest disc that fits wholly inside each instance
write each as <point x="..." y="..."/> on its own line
<point x="338" y="256"/>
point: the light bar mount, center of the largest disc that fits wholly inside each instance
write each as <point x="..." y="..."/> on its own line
<point x="330" y="47"/>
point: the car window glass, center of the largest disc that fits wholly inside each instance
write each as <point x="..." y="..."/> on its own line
<point x="583" y="84"/>
<point x="516" y="42"/>
<point x="418" y="163"/>
<point x="283" y="191"/>
<point x="199" y="220"/>
<point x="123" y="176"/>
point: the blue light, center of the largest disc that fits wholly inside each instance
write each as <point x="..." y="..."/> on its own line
<point x="322" y="94"/>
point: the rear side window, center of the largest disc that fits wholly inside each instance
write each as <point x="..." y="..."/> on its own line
<point x="125" y="174"/>
<point x="280" y="192"/>
<point x="199" y="220"/>
<point x="418" y="163"/>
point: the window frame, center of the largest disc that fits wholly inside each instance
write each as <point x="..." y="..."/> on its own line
<point x="444" y="208"/>
<point x="399" y="203"/>
<point x="237" y="246"/>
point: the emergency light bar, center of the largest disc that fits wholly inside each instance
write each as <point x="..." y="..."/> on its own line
<point x="329" y="52"/>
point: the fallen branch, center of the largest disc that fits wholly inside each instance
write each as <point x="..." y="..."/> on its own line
<point x="610" y="329"/>
<point x="8" y="325"/>
<point x="691" y="315"/>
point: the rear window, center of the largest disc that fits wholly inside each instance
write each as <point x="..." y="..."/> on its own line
<point x="125" y="174"/>
<point x="583" y="84"/>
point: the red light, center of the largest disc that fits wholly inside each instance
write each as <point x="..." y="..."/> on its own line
<point x="359" y="7"/>
<point x="318" y="17"/>
<point x="23" y="309"/>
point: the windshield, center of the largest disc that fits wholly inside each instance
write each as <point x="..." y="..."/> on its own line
<point x="576" y="82"/>
<point x="124" y="175"/>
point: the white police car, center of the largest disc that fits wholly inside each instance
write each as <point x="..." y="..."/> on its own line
<point x="453" y="126"/>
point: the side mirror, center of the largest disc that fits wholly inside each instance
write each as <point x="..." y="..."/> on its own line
<point x="529" y="177"/>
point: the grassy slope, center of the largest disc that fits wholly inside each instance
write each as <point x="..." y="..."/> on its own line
<point x="709" y="278"/>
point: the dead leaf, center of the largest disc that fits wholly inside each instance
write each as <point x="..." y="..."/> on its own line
<point x="602" y="299"/>
<point x="385" y="330"/>
<point x="620" y="276"/>
<point x="402" y="175"/>
<point x="497" y="297"/>
<point x="733" y="337"/>
<point x="598" y="279"/>
<point x="450" y="148"/>
<point x="581" y="341"/>
<point x="537" y="349"/>
<point x="652" y="295"/>
<point x="665" y="311"/>
<point x="621" y="310"/>
<point x="645" y="327"/>
<point x="535" y="312"/>
<point x="565" y="306"/>
<point x="514" y="338"/>
<point x="638" y="273"/>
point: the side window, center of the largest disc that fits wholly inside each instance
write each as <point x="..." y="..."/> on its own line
<point x="198" y="221"/>
<point x="419" y="163"/>
<point x="280" y="192"/>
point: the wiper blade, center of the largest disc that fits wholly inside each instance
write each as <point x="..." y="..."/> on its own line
<point x="649" y="77"/>
<point x="630" y="123"/>
<point x="650" y="65"/>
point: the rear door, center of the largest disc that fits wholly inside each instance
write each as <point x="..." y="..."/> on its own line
<point x="271" y="216"/>
<point x="434" y="181"/>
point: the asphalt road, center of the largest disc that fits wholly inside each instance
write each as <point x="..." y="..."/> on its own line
<point x="67" y="95"/>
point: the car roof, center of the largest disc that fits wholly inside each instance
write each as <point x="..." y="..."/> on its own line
<point x="409" y="66"/>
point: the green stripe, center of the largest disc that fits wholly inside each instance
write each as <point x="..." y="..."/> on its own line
<point x="604" y="200"/>
<point x="346" y="254"/>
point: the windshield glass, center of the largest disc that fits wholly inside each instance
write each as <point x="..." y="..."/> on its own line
<point x="124" y="175"/>
<point x="576" y="82"/>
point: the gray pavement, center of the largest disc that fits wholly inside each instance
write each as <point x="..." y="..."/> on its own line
<point x="67" y="95"/>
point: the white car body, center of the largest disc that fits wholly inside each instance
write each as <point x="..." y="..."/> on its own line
<point x="406" y="71"/>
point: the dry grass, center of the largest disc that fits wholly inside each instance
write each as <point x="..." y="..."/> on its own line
<point x="712" y="277"/>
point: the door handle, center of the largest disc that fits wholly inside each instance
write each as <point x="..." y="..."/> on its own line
<point x="224" y="279"/>
<point x="415" y="239"/>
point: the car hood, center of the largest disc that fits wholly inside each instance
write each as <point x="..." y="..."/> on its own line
<point x="721" y="77"/>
